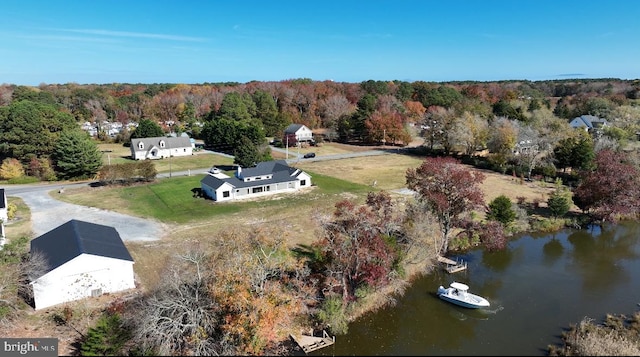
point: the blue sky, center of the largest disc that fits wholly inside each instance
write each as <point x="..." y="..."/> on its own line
<point x="189" y="41"/>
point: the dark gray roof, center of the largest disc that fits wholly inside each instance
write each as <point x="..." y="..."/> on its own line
<point x="589" y="121"/>
<point x="281" y="172"/>
<point x="3" y="203"/>
<point x="74" y="238"/>
<point x="171" y="142"/>
<point x="292" y="128"/>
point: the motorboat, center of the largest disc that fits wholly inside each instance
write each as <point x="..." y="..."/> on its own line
<point x="458" y="293"/>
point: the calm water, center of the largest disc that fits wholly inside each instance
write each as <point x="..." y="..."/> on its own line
<point x="537" y="287"/>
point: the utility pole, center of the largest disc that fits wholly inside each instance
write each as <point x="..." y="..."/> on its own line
<point x="287" y="150"/>
<point x="384" y="136"/>
<point x="169" y="144"/>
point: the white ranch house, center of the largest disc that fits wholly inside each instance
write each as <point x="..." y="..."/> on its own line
<point x="160" y="147"/>
<point x="267" y="178"/>
<point x="83" y="260"/>
<point x="301" y="132"/>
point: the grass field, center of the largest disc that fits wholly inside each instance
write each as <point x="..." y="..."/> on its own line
<point x="118" y="154"/>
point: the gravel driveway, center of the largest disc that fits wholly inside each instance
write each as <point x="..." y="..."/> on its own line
<point x="48" y="213"/>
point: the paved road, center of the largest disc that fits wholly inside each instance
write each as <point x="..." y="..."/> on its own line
<point x="48" y="213"/>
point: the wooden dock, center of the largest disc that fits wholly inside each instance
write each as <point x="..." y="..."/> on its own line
<point x="452" y="266"/>
<point x="312" y="343"/>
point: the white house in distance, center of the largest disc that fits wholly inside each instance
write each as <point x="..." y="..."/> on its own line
<point x="301" y="132"/>
<point x="83" y="259"/>
<point x="160" y="147"/>
<point x="267" y="178"/>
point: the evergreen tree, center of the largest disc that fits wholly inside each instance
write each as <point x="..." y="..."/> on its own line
<point x="29" y="129"/>
<point x="107" y="338"/>
<point x="246" y="153"/>
<point x="558" y="203"/>
<point x="76" y="155"/>
<point x="500" y="210"/>
<point x="267" y="113"/>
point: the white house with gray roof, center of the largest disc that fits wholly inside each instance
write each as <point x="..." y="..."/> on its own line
<point x="82" y="259"/>
<point x="301" y="132"/>
<point x="160" y="147"/>
<point x="266" y="178"/>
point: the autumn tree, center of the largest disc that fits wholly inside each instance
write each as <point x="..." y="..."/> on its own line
<point x="11" y="168"/>
<point x="354" y="247"/>
<point x="502" y="141"/>
<point x="262" y="290"/>
<point x="611" y="190"/>
<point x="471" y="133"/>
<point x="415" y="110"/>
<point x="448" y="189"/>
<point x="333" y="108"/>
<point x="386" y="126"/>
<point x="439" y="127"/>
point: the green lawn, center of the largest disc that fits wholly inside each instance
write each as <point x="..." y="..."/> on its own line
<point x="171" y="200"/>
<point x="118" y="154"/>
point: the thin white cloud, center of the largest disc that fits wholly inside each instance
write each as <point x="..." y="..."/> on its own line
<point x="67" y="38"/>
<point x="134" y="35"/>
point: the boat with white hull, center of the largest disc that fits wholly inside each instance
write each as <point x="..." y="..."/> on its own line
<point x="458" y="293"/>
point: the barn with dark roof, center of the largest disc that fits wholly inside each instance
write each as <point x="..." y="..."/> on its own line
<point x="80" y="260"/>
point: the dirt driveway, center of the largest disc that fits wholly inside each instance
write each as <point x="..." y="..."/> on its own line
<point x="48" y="213"/>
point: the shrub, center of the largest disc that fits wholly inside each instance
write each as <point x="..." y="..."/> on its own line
<point x="10" y="169"/>
<point x="332" y="314"/>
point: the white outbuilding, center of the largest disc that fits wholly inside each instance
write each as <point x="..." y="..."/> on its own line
<point x="82" y="260"/>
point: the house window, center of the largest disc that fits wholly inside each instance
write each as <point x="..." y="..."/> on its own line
<point x="162" y="143"/>
<point x="303" y="183"/>
<point x="225" y="194"/>
<point x="96" y="292"/>
<point x="256" y="189"/>
<point x="141" y="145"/>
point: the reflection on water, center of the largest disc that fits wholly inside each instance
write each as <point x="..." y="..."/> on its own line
<point x="539" y="285"/>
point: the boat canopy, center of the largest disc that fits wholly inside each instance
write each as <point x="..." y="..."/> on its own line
<point x="459" y="286"/>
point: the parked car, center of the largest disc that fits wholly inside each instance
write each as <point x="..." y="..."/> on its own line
<point x="309" y="155"/>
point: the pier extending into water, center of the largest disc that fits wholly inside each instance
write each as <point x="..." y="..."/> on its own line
<point x="311" y="343"/>
<point x="452" y="266"/>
